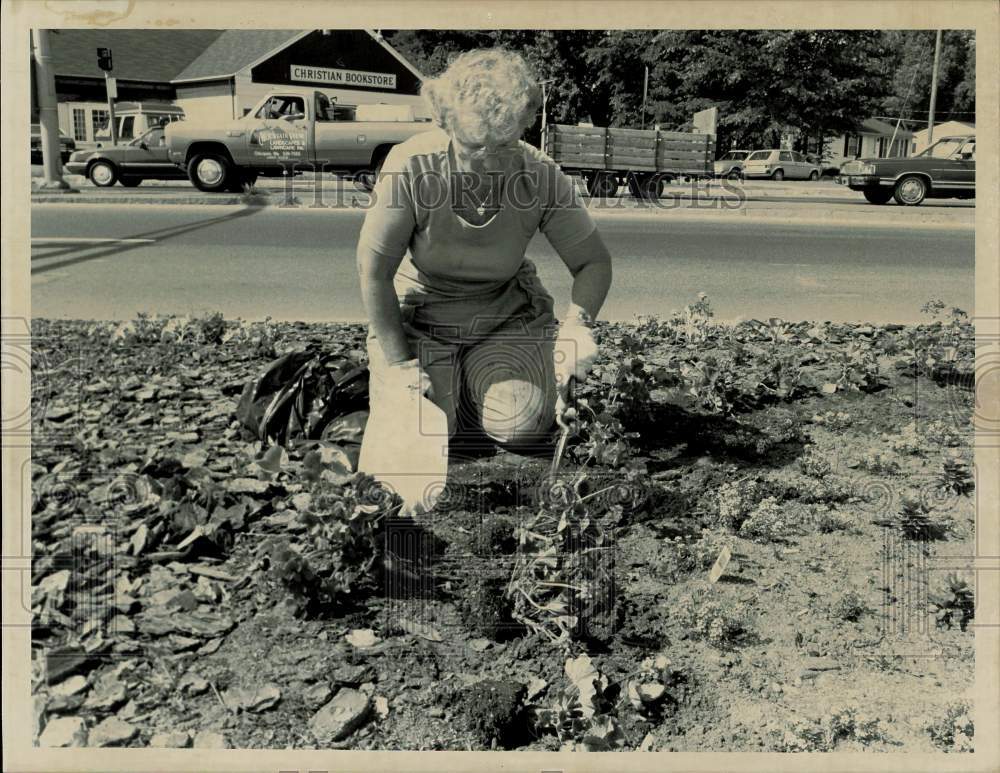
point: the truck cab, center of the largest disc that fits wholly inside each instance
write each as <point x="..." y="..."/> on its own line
<point x="288" y="131"/>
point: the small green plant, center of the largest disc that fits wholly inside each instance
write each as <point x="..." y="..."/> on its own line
<point x="211" y="328"/>
<point x="878" y="461"/>
<point x="766" y="522"/>
<point x="723" y="625"/>
<point x="955" y="475"/>
<point x="814" y="465"/>
<point x="908" y="442"/>
<point x="918" y="522"/>
<point x="562" y="584"/>
<point x="823" y="735"/>
<point x="954" y="603"/>
<point x="942" y="433"/>
<point x="656" y="685"/>
<point x="858" y="365"/>
<point x="582" y="714"/>
<point x="696" y="555"/>
<point x="836" y="421"/>
<point x="337" y="553"/>
<point x="828" y="521"/>
<point x="849" y="606"/>
<point x="954" y="732"/>
<point x="736" y="500"/>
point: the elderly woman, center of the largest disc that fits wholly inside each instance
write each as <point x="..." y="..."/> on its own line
<point x="455" y="309"/>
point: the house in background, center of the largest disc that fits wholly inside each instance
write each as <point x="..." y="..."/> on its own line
<point x="945" y="129"/>
<point x="217" y="75"/>
<point x="145" y="60"/>
<point x="875" y="139"/>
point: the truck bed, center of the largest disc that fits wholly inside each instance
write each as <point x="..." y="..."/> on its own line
<point x="630" y="150"/>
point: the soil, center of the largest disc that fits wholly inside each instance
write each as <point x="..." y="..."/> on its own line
<point x="450" y="667"/>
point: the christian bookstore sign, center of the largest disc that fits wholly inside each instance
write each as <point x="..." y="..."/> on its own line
<point x="379" y="80"/>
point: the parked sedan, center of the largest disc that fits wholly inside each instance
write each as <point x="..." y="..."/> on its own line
<point x="731" y="163"/>
<point x="66" y="145"/>
<point x="144" y="158"/>
<point x="779" y="165"/>
<point x="947" y="169"/>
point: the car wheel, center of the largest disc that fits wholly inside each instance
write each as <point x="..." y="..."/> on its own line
<point x="778" y="175"/>
<point x="103" y="174"/>
<point x="131" y="182"/>
<point x="814" y="175"/>
<point x="910" y="191"/>
<point x="878" y="195"/>
<point x="211" y="172"/>
<point x="734" y="174"/>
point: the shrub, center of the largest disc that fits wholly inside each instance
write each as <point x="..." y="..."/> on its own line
<point x="833" y="420"/>
<point x="955" y="603"/>
<point x="766" y="523"/>
<point x="909" y="441"/>
<point x="822" y="735"/>
<point x="699" y="554"/>
<point x="723" y="625"/>
<point x="955" y="730"/>
<point x="736" y="501"/>
<point x="828" y="521"/>
<point x="955" y="475"/>
<point x="878" y="462"/>
<point x="918" y="522"/>
<point x="814" y="465"/>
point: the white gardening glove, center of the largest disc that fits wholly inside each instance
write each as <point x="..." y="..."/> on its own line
<point x="575" y="353"/>
<point x="406" y="379"/>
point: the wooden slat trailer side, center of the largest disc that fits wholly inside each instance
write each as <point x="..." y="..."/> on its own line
<point x="644" y="159"/>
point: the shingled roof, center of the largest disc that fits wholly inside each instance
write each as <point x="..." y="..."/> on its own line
<point x="233" y="50"/>
<point x="139" y="54"/>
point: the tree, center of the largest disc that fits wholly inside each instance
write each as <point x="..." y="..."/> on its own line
<point x="912" y="61"/>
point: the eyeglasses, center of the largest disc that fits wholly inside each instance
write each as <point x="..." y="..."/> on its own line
<point x="500" y="150"/>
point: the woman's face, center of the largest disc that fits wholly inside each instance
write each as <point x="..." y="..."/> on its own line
<point x="485" y="157"/>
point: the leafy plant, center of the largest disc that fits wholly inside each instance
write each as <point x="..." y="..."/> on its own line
<point x="337" y="553"/>
<point x="581" y="716"/>
<point x="723" y="625"/>
<point x="878" y="461"/>
<point x="656" y="685"/>
<point x="695" y="555"/>
<point x="954" y="732"/>
<point x="736" y="500"/>
<point x="814" y="465"/>
<point x="562" y="584"/>
<point x="917" y="522"/>
<point x="955" y="475"/>
<point x="823" y="735"/>
<point x="833" y="420"/>
<point x="858" y="366"/>
<point x="766" y="522"/>
<point x="953" y="604"/>
<point x="849" y="606"/>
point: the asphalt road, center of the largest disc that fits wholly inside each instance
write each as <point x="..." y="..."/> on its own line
<point x="106" y="262"/>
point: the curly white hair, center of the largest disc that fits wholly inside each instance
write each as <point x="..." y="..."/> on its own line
<point x="486" y="96"/>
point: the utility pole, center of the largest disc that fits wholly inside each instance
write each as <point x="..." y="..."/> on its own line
<point x="545" y="102"/>
<point x="934" y="79"/>
<point x="48" y="114"/>
<point x="645" y="91"/>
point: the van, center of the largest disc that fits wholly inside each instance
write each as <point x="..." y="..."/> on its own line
<point x="135" y="118"/>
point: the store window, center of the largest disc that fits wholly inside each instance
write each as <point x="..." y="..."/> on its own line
<point x="79" y="124"/>
<point x="99" y="121"/>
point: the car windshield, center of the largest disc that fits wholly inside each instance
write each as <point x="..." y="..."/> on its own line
<point x="944" y="148"/>
<point x="759" y="155"/>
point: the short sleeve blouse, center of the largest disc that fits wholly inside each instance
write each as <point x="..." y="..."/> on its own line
<point x="411" y="217"/>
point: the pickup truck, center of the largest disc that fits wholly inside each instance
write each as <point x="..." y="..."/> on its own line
<point x="644" y="159"/>
<point x="288" y="132"/>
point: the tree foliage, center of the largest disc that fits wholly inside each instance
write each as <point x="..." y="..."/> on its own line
<point x="765" y="83"/>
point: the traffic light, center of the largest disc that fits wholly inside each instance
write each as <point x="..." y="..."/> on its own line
<point x="104" y="59"/>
